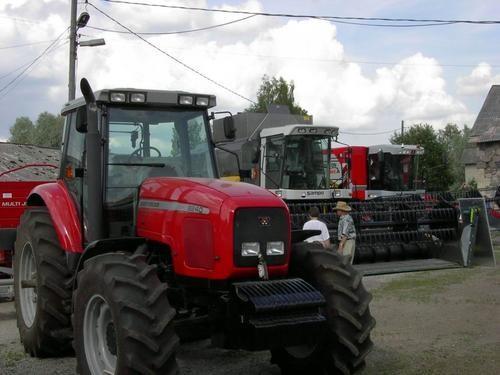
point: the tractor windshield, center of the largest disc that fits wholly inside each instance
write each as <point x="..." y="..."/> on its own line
<point x="146" y="143"/>
<point x="298" y="162"/>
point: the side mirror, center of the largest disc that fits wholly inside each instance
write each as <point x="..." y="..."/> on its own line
<point x="229" y="128"/>
<point x="81" y="119"/>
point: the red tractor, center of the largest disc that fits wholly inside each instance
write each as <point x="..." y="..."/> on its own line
<point x="138" y="246"/>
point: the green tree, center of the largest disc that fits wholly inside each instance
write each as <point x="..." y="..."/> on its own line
<point x="276" y="91"/>
<point x="48" y="130"/>
<point x="195" y="131"/>
<point x="433" y="167"/>
<point x="22" y="131"/>
<point x="455" y="140"/>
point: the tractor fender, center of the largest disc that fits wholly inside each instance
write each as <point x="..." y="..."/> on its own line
<point x="105" y="246"/>
<point x="56" y="197"/>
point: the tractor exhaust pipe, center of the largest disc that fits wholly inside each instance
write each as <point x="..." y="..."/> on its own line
<point x="94" y="166"/>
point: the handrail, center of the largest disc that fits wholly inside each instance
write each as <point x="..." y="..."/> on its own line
<point x="28" y="166"/>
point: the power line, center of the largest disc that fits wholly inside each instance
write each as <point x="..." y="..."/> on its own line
<point x="172" y="57"/>
<point x="289" y="15"/>
<point x="376" y="133"/>
<point x="34" y="61"/>
<point x="24" y="20"/>
<point x="174" y="32"/>
<point x="14" y="86"/>
<point x="389" y="25"/>
<point x="14" y="70"/>
<point x="27" y="44"/>
<point x="345" y="61"/>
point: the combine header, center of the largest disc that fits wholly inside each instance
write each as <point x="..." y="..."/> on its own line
<point x="399" y="229"/>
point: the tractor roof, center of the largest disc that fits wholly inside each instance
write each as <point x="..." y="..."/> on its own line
<point x="301" y="129"/>
<point x="152" y="98"/>
<point x="397" y="149"/>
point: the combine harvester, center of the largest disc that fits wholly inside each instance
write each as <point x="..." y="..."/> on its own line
<point x="398" y="229"/>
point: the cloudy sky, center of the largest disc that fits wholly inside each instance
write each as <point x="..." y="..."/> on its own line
<point x="362" y="79"/>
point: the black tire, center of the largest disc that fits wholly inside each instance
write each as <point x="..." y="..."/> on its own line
<point x="347" y="340"/>
<point x="143" y="336"/>
<point x="49" y="334"/>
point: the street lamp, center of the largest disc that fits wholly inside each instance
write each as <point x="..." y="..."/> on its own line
<point x="77" y="24"/>
<point x="92" y="43"/>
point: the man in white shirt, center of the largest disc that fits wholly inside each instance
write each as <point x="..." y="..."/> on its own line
<point x="315" y="224"/>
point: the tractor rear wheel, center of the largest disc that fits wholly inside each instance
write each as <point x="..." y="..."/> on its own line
<point x="42" y="287"/>
<point x="122" y="319"/>
<point x="347" y="338"/>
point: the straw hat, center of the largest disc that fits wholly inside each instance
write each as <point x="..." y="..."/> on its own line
<point x="342" y="206"/>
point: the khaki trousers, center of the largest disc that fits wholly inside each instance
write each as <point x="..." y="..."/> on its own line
<point x="349" y="248"/>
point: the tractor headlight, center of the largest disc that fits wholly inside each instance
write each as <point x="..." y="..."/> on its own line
<point x="186" y="99"/>
<point x="202" y="101"/>
<point x="117" y="97"/>
<point x="275" y="248"/>
<point x="250" y="249"/>
<point x="137" y="98"/>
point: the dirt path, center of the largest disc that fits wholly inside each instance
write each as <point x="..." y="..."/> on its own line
<point x="440" y="322"/>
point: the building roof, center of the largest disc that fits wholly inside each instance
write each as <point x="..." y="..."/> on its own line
<point x="487" y="125"/>
<point x="13" y="156"/>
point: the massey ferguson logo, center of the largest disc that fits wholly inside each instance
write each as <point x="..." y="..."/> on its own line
<point x="264" y="221"/>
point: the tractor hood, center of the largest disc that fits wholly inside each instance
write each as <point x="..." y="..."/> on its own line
<point x="173" y="188"/>
<point x="203" y="222"/>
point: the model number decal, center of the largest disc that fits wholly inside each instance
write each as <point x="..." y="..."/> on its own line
<point x="173" y="206"/>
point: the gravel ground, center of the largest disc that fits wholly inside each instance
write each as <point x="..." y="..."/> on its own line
<point x="440" y="322"/>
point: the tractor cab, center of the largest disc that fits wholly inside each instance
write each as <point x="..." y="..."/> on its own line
<point x="143" y="134"/>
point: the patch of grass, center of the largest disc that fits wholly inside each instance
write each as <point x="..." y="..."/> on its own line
<point x="420" y="287"/>
<point x="11" y="357"/>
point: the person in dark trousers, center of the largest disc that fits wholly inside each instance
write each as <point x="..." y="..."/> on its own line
<point x="315" y="224"/>
<point x="346" y="230"/>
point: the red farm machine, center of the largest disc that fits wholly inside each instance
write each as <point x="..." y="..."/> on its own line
<point x="13" y="194"/>
<point x="138" y="246"/>
<point x="398" y="228"/>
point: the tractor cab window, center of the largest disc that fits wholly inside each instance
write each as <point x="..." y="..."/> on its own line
<point x="307" y="162"/>
<point x="146" y="143"/>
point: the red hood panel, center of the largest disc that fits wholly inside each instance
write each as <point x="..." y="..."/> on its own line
<point x="173" y="188"/>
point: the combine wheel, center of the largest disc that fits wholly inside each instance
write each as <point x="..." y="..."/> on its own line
<point x="122" y="319"/>
<point x="41" y="287"/>
<point x="347" y="339"/>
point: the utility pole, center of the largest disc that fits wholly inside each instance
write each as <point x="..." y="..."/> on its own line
<point x="402" y="127"/>
<point x="72" y="52"/>
<point x="75" y="25"/>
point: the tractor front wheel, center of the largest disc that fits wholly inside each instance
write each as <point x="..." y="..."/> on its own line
<point x="347" y="337"/>
<point x="122" y="319"/>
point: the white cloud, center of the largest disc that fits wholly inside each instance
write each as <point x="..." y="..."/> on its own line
<point x="308" y="52"/>
<point x="478" y="81"/>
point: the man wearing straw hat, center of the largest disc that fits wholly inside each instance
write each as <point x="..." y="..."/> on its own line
<point x="346" y="230"/>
